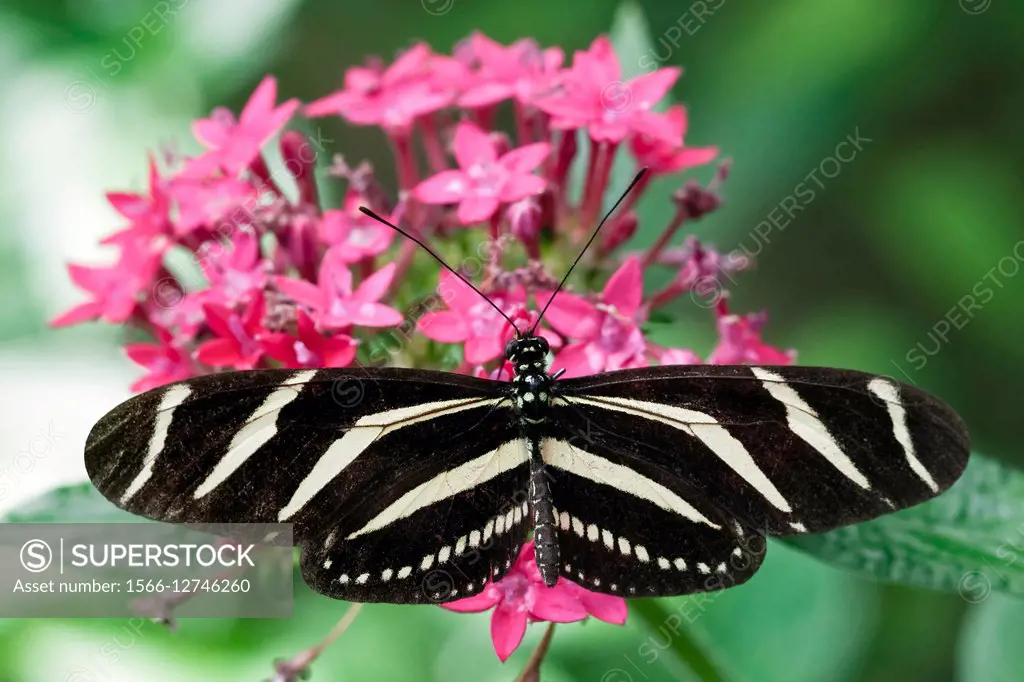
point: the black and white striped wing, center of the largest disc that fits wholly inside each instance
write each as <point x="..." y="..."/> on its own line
<point x="383" y="463"/>
<point x="782" y="449"/>
<point x="628" y="529"/>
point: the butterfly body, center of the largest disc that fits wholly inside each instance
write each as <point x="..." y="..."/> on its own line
<point x="532" y="391"/>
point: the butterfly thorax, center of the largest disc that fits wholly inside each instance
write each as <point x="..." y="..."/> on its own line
<point x="531" y="383"/>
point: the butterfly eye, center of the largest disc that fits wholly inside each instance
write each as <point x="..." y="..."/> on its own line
<point x="510" y="348"/>
<point x="542" y="344"/>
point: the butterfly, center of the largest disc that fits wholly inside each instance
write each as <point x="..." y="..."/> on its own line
<point x="413" y="486"/>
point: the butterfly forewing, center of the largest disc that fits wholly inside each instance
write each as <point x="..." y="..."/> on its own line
<point x="784" y="449"/>
<point x="305" y="447"/>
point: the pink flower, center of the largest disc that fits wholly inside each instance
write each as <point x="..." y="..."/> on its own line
<point x="663" y="156"/>
<point x="165" y="362"/>
<point x="149" y="214"/>
<point x="238" y="343"/>
<point x="678" y="356"/>
<point x="595" y="98"/>
<point x="235" y="144"/>
<point x="485" y="181"/>
<point x="235" y="269"/>
<point x="333" y="301"/>
<point x="218" y="203"/>
<point x="310" y="348"/>
<point x="392" y="98"/>
<point x="740" y="341"/>
<point x="116" y="291"/>
<point x="521" y="596"/>
<point x="605" y="336"/>
<point x="470" y="320"/>
<point x="354" y="234"/>
<point x="522" y="70"/>
<point x="176" y="310"/>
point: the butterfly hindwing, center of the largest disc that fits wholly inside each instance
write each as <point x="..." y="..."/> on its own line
<point x="437" y="542"/>
<point x="628" y="533"/>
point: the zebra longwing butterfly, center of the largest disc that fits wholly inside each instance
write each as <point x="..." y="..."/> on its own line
<point x="407" y="485"/>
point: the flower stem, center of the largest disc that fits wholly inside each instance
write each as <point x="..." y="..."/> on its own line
<point x="522" y="125"/>
<point x="433" y="146"/>
<point x="405" y="162"/>
<point x="531" y="673"/>
<point x="294" y="669"/>
<point x="602" y="154"/>
<point x="666" y="236"/>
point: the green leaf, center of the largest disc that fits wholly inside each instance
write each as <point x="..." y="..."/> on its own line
<point x="965" y="540"/>
<point x="690" y="646"/>
<point x="989" y="649"/>
<point x="79" y="503"/>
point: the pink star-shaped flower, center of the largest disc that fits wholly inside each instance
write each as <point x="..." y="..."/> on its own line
<point x="521" y="596"/>
<point x="595" y="98"/>
<point x="661" y="156"/>
<point x="176" y="310"/>
<point x="309" y="348"/>
<point x="677" y="356"/>
<point x="163" y="360"/>
<point x="392" y="98"/>
<point x="214" y="202"/>
<point x="470" y="320"/>
<point x="522" y="70"/>
<point x="740" y="341"/>
<point x="235" y="144"/>
<point x="335" y="305"/>
<point x="115" y="290"/>
<point x="484" y="180"/>
<point x="235" y="269"/>
<point x="354" y="234"/>
<point x="605" y="336"/>
<point x="148" y="214"/>
<point x="238" y="343"/>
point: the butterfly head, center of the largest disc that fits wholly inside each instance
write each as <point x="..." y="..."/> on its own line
<point x="527" y="354"/>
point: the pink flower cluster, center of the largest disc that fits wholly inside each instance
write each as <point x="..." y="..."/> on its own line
<point x="223" y="264"/>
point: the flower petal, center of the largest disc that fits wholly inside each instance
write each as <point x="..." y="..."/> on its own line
<point x="444" y="326"/>
<point x="557" y="604"/>
<point x="447" y="187"/>
<point x="83" y="312"/>
<point x="474" y="210"/>
<point x="625" y="288"/>
<point x="606" y="607"/>
<point x="526" y="159"/>
<point x="300" y="291"/>
<point x="475" y="604"/>
<point x="260" y="101"/>
<point x="570" y="314"/>
<point x="482" y="349"/>
<point x="144" y="354"/>
<point x="648" y="89"/>
<point x="338" y="351"/>
<point x="522" y="186"/>
<point x="376" y="285"/>
<point x="218" y="353"/>
<point x="508" y="625"/>
<point x="578" y="360"/>
<point x="472" y="145"/>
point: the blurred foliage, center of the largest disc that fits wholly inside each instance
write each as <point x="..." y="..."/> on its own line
<point x="869" y="269"/>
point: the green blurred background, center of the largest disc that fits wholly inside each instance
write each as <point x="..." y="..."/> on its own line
<point x="890" y="244"/>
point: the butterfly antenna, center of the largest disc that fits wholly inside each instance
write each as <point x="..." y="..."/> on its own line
<point x="440" y="260"/>
<point x="586" y="246"/>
